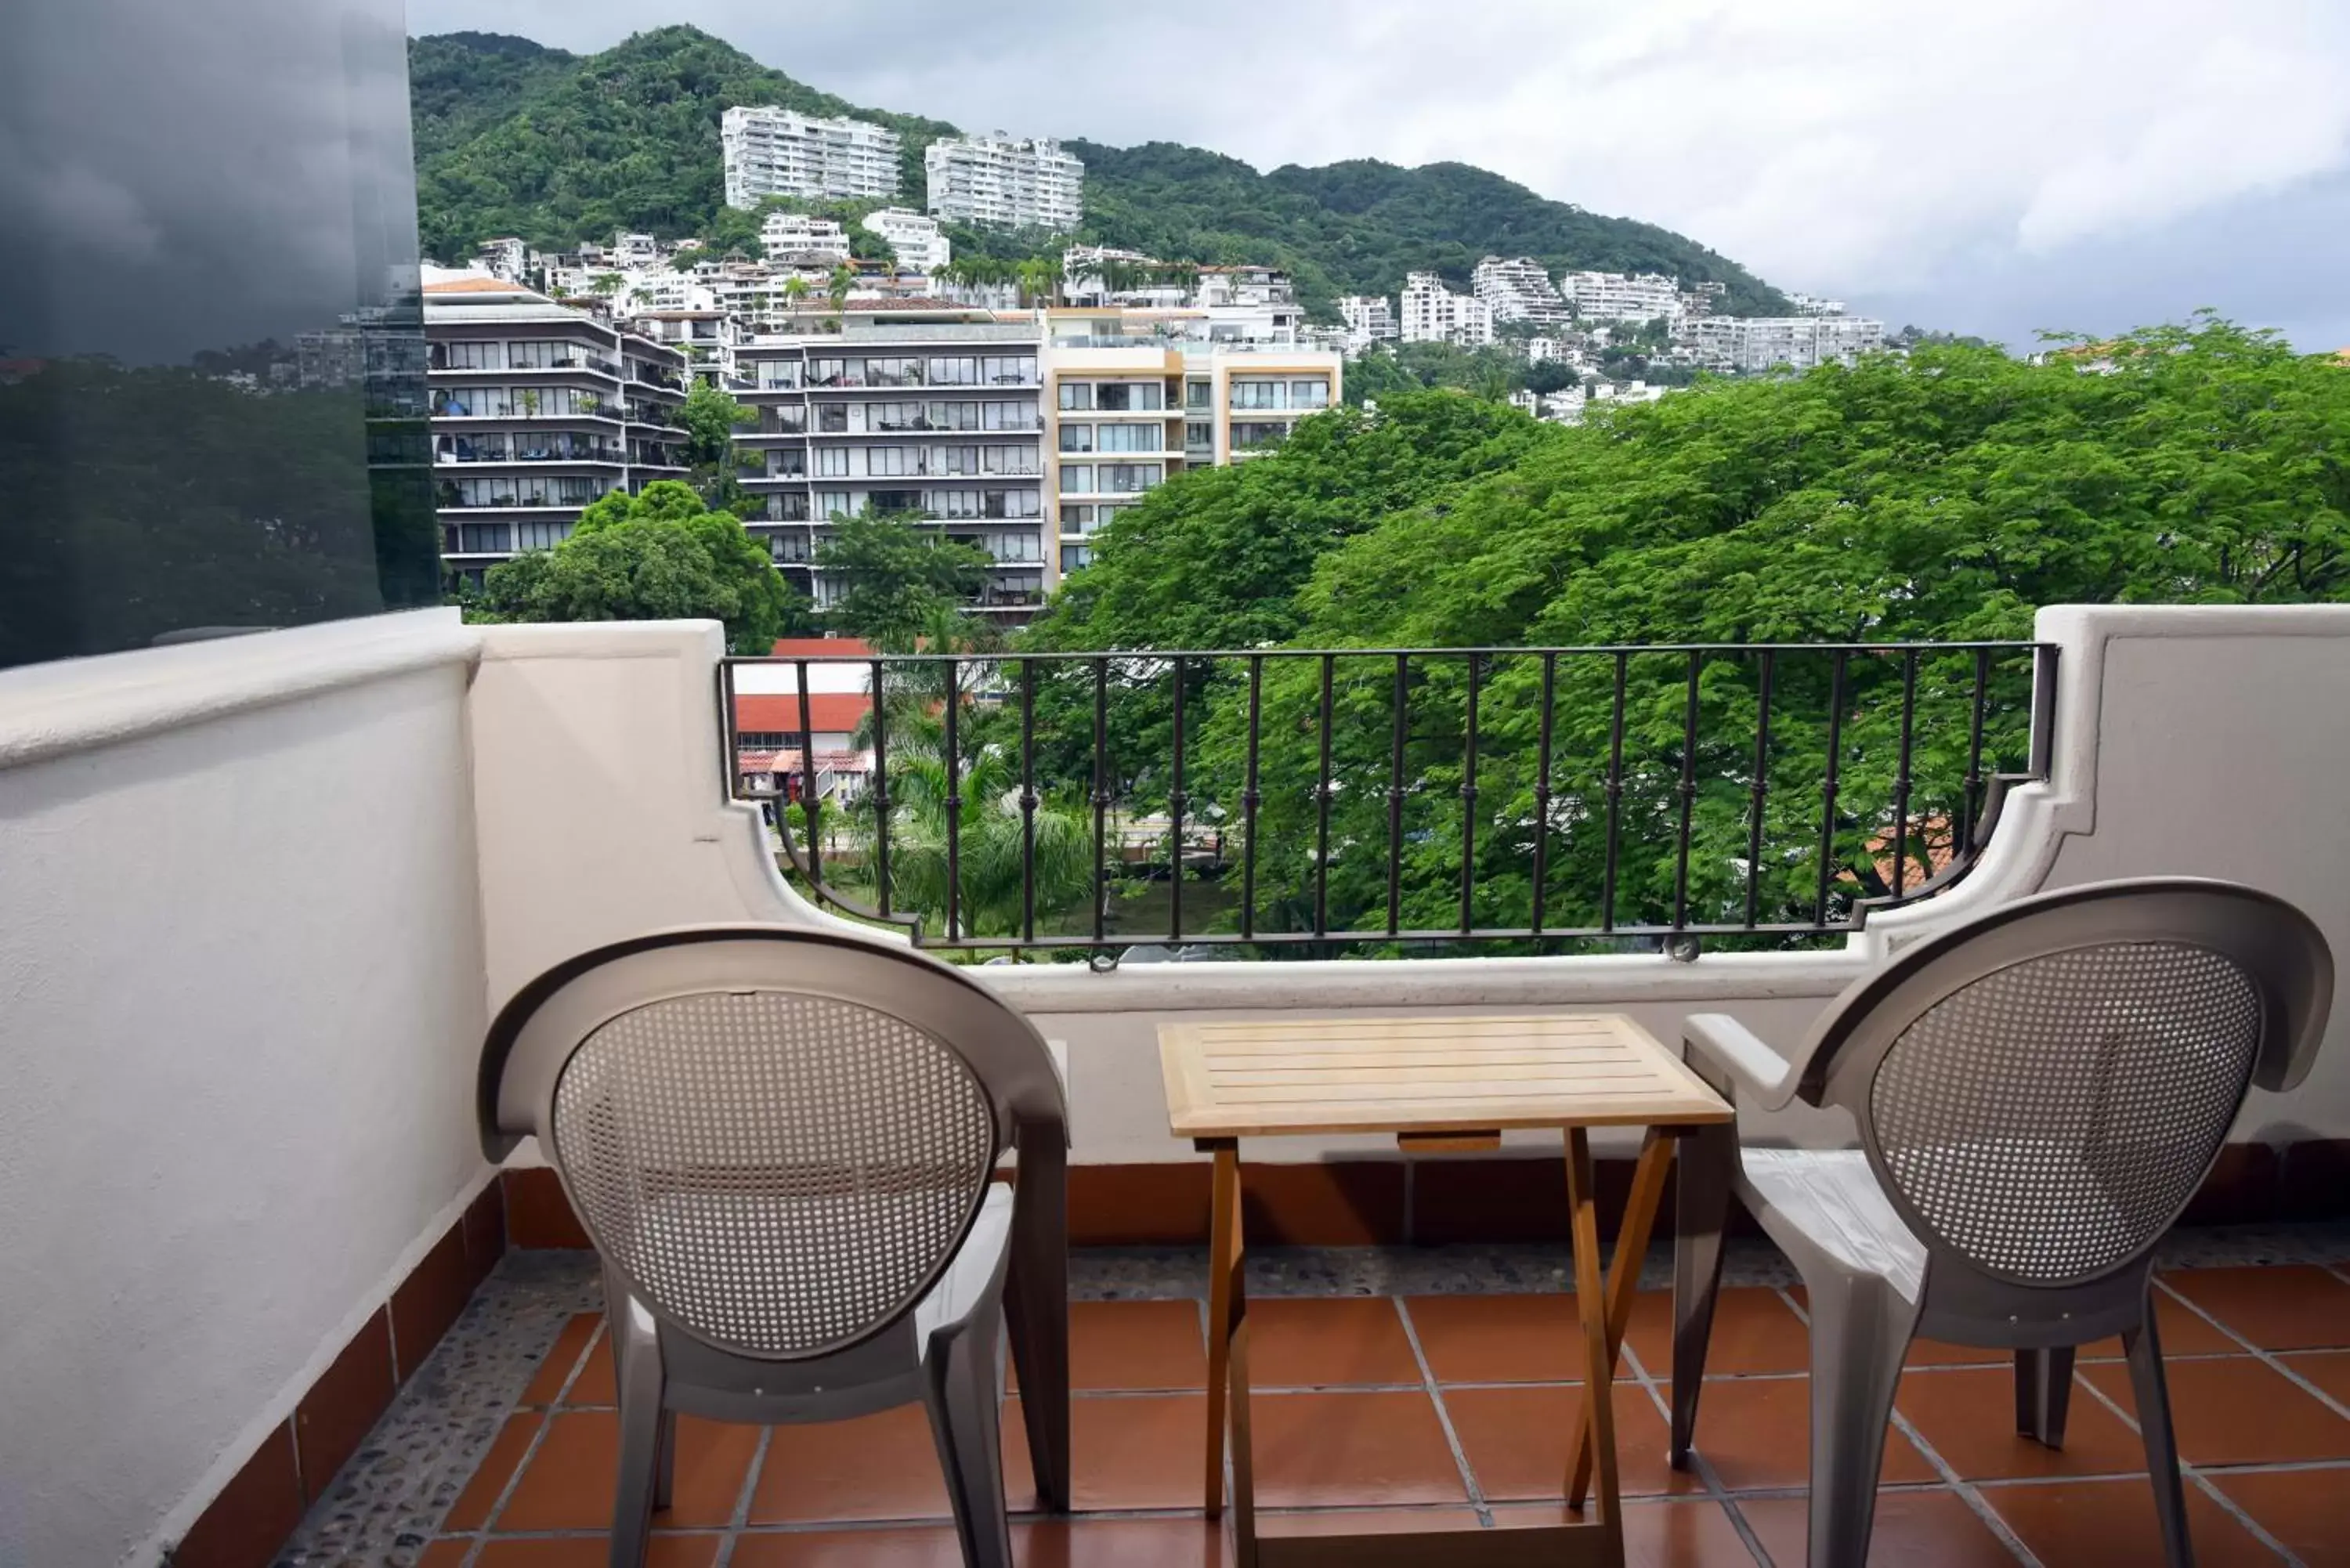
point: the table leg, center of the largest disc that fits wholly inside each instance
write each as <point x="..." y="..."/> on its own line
<point x="1228" y="1383"/>
<point x="1598" y="1358"/>
<point x="1624" y="1281"/>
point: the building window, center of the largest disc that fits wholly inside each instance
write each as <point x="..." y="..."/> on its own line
<point x="1076" y="438"/>
<point x="1309" y="394"/>
<point x="1130" y="438"/>
<point x="889" y="462"/>
<point x="1077" y="477"/>
<point x="1129" y="396"/>
<point x="1011" y="458"/>
<point x="1077" y="519"/>
<point x="1011" y="370"/>
<point x="1256" y="392"/>
<point x="1077" y="395"/>
<point x="778" y="375"/>
<point x="1198" y="438"/>
<point x="541" y="535"/>
<point x="832" y="461"/>
<point x="959" y="371"/>
<point x="1256" y="435"/>
<point x="1010" y="417"/>
<point x="473" y="356"/>
<point x="484" y="538"/>
<point x="827" y="373"/>
<point x="1196" y="395"/>
<point x="831" y="418"/>
<point x="1074" y="556"/>
<point x="1124" y="478"/>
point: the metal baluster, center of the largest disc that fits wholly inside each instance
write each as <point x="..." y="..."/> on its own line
<point x="1972" y="793"/>
<point x="1828" y="784"/>
<point x="1175" y="803"/>
<point x="807" y="786"/>
<point x="881" y="794"/>
<point x="1101" y="796"/>
<point x="954" y="804"/>
<point x="1028" y="800"/>
<point x="1542" y="789"/>
<point x="1395" y="791"/>
<point x="1760" y="789"/>
<point x="1322" y="816"/>
<point x="1249" y="799"/>
<point x="1901" y="773"/>
<point x="1614" y="793"/>
<point x="1688" y="791"/>
<point x="1469" y="806"/>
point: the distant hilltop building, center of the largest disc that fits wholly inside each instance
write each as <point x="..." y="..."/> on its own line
<point x="1622" y="296"/>
<point x="1813" y="304"/>
<point x="920" y="247"/>
<point x="1434" y="314"/>
<point x="1003" y="181"/>
<point x="1751" y="343"/>
<point x="1369" y="318"/>
<point x="1518" y="289"/>
<point x="799" y="237"/>
<point x="773" y="152"/>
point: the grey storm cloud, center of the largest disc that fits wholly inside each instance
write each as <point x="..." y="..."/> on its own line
<point x="1994" y="167"/>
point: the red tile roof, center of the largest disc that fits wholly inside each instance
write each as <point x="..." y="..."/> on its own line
<point x="828" y="712"/>
<point x="823" y="648"/>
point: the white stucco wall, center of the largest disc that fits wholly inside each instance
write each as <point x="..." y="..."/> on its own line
<point x="241" y="999"/>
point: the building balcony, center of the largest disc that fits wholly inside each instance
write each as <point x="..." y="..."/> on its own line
<point x="267" y="1304"/>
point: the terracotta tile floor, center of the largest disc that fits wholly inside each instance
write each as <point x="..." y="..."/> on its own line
<point x="1420" y="1411"/>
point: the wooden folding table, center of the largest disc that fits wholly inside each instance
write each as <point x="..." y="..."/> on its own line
<point x="1436" y="1084"/>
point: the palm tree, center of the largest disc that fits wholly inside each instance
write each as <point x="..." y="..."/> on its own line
<point x="842" y="278"/>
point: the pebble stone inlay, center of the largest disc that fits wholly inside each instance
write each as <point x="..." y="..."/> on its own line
<point x="384" y="1505"/>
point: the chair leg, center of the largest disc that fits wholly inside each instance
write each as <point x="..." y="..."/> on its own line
<point x="2043" y="1393"/>
<point x="1860" y="1330"/>
<point x="1702" y="1213"/>
<point x="2143" y="1349"/>
<point x="638" y="1368"/>
<point x="965" y="1402"/>
<point x="1037" y="1310"/>
<point x="665" y="1469"/>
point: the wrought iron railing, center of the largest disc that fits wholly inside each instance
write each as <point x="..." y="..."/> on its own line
<point x="1374" y="801"/>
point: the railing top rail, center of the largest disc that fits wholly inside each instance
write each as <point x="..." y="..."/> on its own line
<point x="1578" y="650"/>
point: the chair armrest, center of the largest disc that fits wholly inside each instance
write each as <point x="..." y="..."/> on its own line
<point x="1740" y="1068"/>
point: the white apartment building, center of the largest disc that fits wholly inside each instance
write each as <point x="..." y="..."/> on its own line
<point x="1622" y="296"/>
<point x="1433" y="313"/>
<point x="537" y="411"/>
<point x="770" y="151"/>
<point x="1369" y="318"/>
<point x="1517" y="288"/>
<point x="927" y="413"/>
<point x="920" y="247"/>
<point x="507" y="258"/>
<point x="1133" y="399"/>
<point x="1543" y="350"/>
<point x="1815" y="304"/>
<point x="1005" y="183"/>
<point x="797" y="237"/>
<point x="1755" y="343"/>
<point x="706" y="336"/>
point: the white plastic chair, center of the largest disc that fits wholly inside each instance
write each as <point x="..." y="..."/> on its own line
<point x="2038" y="1095"/>
<point x="783" y="1146"/>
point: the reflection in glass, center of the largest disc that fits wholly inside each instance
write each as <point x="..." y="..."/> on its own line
<point x="212" y="410"/>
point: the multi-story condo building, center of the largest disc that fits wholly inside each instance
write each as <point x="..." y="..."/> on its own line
<point x="921" y="248"/>
<point x="1622" y="296"/>
<point x="770" y="151"/>
<point x="797" y="237"/>
<point x="1751" y="343"/>
<point x="925" y="413"/>
<point x="1517" y="288"/>
<point x="506" y="258"/>
<point x="707" y="338"/>
<point x="1369" y="318"/>
<point x="538" y="410"/>
<point x="1815" y="304"/>
<point x="1005" y="183"/>
<point x="1433" y="313"/>
<point x="1134" y="398"/>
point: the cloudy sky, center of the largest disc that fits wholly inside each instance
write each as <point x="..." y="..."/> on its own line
<point x="1997" y="167"/>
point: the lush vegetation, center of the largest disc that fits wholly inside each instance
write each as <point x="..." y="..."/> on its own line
<point x="1941" y="497"/>
<point x="513" y="139"/>
<point x="659" y="555"/>
<point x="899" y="583"/>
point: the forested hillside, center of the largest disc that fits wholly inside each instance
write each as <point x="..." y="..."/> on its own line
<point x="512" y="137"/>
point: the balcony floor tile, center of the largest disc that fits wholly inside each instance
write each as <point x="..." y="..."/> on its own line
<point x="498" y="1452"/>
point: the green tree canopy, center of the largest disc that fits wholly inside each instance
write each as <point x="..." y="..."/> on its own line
<point x="659" y="555"/>
<point x="897" y="577"/>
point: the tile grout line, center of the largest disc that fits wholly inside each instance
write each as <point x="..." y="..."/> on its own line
<point x="2270" y="1359"/>
<point x="1967" y="1493"/>
<point x="538" y="1440"/>
<point x="1715" y="1492"/>
<point x="1469" y="1483"/>
<point x="751" y="1480"/>
<point x="2191" y="1474"/>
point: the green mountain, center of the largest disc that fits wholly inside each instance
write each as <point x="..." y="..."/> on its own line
<point x="515" y="139"/>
